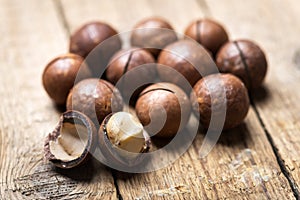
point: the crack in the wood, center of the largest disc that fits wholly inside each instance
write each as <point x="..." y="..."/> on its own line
<point x="62" y="16"/>
<point x="203" y="6"/>
<point x="280" y="161"/>
<point x="119" y="195"/>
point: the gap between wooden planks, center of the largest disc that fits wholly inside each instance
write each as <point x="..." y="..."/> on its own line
<point x="234" y="169"/>
<point x="179" y="14"/>
<point x="32" y="34"/>
<point x="275" y="26"/>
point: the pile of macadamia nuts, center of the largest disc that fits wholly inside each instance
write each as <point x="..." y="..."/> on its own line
<point x="97" y="78"/>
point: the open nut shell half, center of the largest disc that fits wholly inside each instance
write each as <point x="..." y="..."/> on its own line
<point x="70" y="143"/>
<point x="123" y="140"/>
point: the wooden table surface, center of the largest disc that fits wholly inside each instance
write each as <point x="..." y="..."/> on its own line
<point x="258" y="160"/>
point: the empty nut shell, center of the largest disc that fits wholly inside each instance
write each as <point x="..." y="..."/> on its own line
<point x="72" y="141"/>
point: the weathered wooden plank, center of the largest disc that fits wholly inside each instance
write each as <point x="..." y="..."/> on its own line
<point x="274" y="25"/>
<point x="237" y="168"/>
<point x="123" y="20"/>
<point x="242" y="165"/>
<point x="32" y="34"/>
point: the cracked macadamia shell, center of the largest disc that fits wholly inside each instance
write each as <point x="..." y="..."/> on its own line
<point x="244" y="59"/>
<point x="208" y="33"/>
<point x="164" y="109"/>
<point x="72" y="141"/>
<point x="123" y="140"/>
<point x="60" y="75"/>
<point x="96" y="98"/>
<point x="183" y="63"/>
<point x="133" y="68"/>
<point x="237" y="100"/>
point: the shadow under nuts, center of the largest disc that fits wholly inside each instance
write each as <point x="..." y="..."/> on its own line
<point x="122" y="140"/>
<point x="60" y="75"/>
<point x="133" y="68"/>
<point x="209" y="33"/>
<point x="96" y="98"/>
<point x="208" y="92"/>
<point x="153" y="34"/>
<point x="164" y="109"/>
<point x="96" y="42"/>
<point x="183" y="63"/>
<point x="244" y="59"/>
<point x="72" y="141"/>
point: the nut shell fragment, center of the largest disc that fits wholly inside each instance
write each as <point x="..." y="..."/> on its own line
<point x="72" y="141"/>
<point x="123" y="140"/>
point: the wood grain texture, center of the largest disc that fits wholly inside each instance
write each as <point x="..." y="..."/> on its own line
<point x="31" y="35"/>
<point x="274" y="25"/>
<point x="242" y="165"/>
<point x="113" y="12"/>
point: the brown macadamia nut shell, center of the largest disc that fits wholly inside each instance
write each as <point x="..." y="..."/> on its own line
<point x="141" y="69"/>
<point x="159" y="98"/>
<point x="155" y="35"/>
<point x="115" y="157"/>
<point x="207" y="32"/>
<point x="77" y="119"/>
<point x="60" y="75"/>
<point x="96" y="42"/>
<point x="185" y="58"/>
<point x="245" y="59"/>
<point x="237" y="100"/>
<point x="96" y="98"/>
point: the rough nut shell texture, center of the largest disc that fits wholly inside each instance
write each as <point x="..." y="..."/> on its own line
<point x="96" y="98"/>
<point x="162" y="100"/>
<point x="236" y="97"/>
